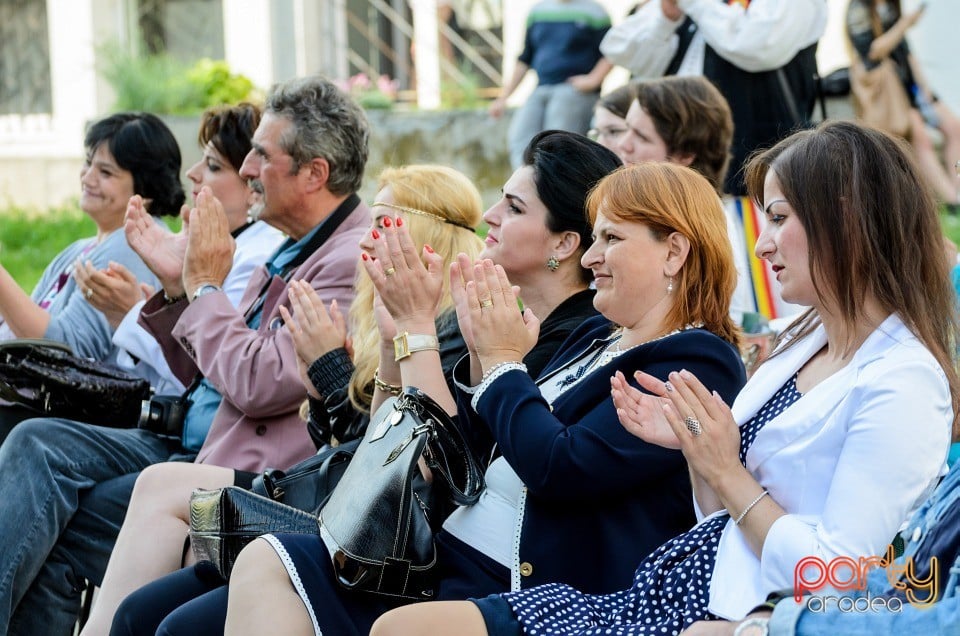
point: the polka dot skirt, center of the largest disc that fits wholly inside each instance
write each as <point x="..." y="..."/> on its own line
<point x="671" y="587"/>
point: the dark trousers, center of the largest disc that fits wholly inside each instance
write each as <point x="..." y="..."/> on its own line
<point x="190" y="601"/>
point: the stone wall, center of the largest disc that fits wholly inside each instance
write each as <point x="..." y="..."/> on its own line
<point x="470" y="141"/>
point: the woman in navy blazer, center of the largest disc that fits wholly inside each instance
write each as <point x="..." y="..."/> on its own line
<point x="572" y="497"/>
<point x="828" y="448"/>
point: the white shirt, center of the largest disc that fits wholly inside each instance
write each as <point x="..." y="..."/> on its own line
<point x="764" y="38"/>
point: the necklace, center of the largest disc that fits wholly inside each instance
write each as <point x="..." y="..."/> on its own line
<point x="605" y="354"/>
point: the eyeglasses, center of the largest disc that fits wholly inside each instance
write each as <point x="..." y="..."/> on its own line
<point x="608" y="132"/>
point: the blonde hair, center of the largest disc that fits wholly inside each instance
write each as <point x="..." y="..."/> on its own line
<point x="441" y="194"/>
<point x="671" y="198"/>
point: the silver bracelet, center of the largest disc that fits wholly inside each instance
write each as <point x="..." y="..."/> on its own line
<point x="750" y="506"/>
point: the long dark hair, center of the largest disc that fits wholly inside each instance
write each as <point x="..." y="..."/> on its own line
<point x="872" y="228"/>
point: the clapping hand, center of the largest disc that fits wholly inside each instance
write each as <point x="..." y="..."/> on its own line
<point x="408" y="289"/>
<point x="113" y="291"/>
<point x="209" y="254"/>
<point x="487" y="309"/>
<point x="161" y="250"/>
<point x="314" y="330"/>
<point x="701" y="423"/>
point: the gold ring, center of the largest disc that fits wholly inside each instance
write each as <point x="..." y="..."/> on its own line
<point x="390" y="271"/>
<point x="486" y="303"/>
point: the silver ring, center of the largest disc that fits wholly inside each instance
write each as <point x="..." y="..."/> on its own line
<point x="88" y="294"/>
<point x="693" y="425"/>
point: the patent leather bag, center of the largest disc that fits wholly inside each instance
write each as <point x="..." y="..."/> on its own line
<point x="376" y="525"/>
<point x="224" y="520"/>
<point x="45" y="376"/>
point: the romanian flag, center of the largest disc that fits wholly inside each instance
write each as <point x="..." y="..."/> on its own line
<point x="764" y="294"/>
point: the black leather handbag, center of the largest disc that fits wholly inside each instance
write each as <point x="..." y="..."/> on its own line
<point x="376" y="524"/>
<point x="374" y="503"/>
<point x="45" y="376"/>
<point x="224" y="520"/>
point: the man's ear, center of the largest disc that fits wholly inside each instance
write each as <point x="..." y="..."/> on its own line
<point x="566" y="245"/>
<point x="318" y="173"/>
<point x="678" y="248"/>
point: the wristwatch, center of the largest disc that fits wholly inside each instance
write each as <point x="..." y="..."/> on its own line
<point x="755" y="626"/>
<point x="406" y="343"/>
<point x="203" y="290"/>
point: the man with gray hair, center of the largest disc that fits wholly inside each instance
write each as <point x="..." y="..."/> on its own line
<point x="64" y="486"/>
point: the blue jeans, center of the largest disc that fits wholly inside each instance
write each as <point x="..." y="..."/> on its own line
<point x="551" y="107"/>
<point x="795" y="619"/>
<point x="47" y="469"/>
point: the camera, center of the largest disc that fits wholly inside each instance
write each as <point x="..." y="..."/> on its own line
<point x="163" y="415"/>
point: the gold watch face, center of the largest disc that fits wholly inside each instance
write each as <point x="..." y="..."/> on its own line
<point x="400" y="349"/>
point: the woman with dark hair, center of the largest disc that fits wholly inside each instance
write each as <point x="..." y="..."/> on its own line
<point x="225" y="135"/>
<point x="832" y="443"/>
<point x="571" y="496"/>
<point x="127" y="154"/>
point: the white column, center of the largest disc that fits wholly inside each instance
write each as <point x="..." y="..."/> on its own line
<point x="426" y="39"/>
<point x="248" y="39"/>
<point x="73" y="75"/>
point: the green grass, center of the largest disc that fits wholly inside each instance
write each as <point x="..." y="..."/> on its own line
<point x="951" y="227"/>
<point x="30" y="239"/>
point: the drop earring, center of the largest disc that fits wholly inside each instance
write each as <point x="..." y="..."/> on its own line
<point x="553" y="263"/>
<point x="670" y="285"/>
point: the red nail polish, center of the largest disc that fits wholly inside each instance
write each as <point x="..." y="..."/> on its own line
<point x="386" y="221"/>
<point x="375" y="234"/>
<point x="364" y="256"/>
<point x="428" y="248"/>
<point x="399" y="221"/>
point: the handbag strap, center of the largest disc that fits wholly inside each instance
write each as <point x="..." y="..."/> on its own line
<point x="447" y="451"/>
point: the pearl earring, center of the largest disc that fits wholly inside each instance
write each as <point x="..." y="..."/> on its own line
<point x="553" y="263"/>
<point x="670" y="285"/>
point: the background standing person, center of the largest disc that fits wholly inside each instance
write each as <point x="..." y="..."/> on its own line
<point x="562" y="45"/>
<point x="761" y="54"/>
<point x="877" y="30"/>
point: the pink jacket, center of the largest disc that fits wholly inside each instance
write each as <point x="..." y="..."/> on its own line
<point x="257" y="425"/>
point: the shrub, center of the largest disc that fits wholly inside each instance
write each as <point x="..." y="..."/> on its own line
<point x="163" y="85"/>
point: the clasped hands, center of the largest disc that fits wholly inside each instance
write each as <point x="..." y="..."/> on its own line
<point x="200" y="254"/>
<point x="661" y="417"/>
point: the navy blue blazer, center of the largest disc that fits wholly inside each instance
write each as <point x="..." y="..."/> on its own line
<point x="597" y="500"/>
